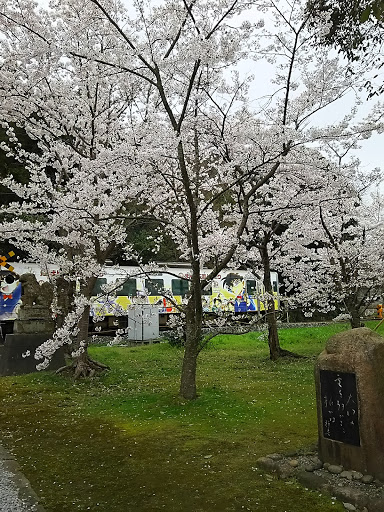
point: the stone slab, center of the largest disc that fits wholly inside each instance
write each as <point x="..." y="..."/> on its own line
<point x="34" y="313"/>
<point x="12" y="361"/>
<point x="35" y="326"/>
<point x="359" y="352"/>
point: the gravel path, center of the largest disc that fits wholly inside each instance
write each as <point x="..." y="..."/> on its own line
<point x="9" y="493"/>
<point x="16" y="493"/>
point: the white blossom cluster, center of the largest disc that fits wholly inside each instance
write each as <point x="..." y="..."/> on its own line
<point x="143" y="115"/>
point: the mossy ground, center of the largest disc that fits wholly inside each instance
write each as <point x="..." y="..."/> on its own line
<point x="125" y="442"/>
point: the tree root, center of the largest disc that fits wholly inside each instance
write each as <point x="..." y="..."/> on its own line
<point x="83" y="368"/>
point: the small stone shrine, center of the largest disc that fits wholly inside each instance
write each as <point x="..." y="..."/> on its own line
<point x="32" y="328"/>
<point x="350" y="401"/>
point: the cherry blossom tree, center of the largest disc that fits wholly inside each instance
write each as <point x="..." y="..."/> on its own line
<point x="290" y="197"/>
<point x="184" y="126"/>
<point x="213" y="155"/>
<point x="181" y="50"/>
<point x="376" y="202"/>
<point x="338" y="255"/>
<point x="74" y="209"/>
<point x="305" y="87"/>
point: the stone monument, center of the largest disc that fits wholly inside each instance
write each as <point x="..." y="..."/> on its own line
<point x="349" y="378"/>
<point x="33" y="327"/>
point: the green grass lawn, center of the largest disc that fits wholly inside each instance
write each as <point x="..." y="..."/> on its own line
<point x="125" y="442"/>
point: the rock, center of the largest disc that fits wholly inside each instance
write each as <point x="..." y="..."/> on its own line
<point x="294" y="463"/>
<point x="326" y="465"/>
<point x="311" y="480"/>
<point x="310" y="468"/>
<point x="285" y="471"/>
<point x="275" y="456"/>
<point x="316" y="462"/>
<point x="367" y="479"/>
<point x="349" y="506"/>
<point x="346" y="474"/>
<point x="356" y="475"/>
<point x="349" y="495"/>
<point x="335" y="470"/>
<point x="267" y="463"/>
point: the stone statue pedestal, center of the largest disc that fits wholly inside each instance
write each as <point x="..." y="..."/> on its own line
<point x="34" y="320"/>
<point x="350" y="401"/>
<point x="33" y="327"/>
<point x="12" y="361"/>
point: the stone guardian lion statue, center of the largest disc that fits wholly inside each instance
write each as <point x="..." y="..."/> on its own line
<point x="34" y="294"/>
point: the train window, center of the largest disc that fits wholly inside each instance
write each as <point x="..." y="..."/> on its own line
<point x="251" y="287"/>
<point x="274" y="286"/>
<point x="128" y="288"/>
<point x="154" y="286"/>
<point x="180" y="287"/>
<point x="100" y="281"/>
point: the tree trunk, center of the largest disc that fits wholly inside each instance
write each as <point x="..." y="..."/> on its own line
<point x="273" y="335"/>
<point x="83" y="324"/>
<point x="65" y="292"/>
<point x="83" y="365"/>
<point x="355" y="320"/>
<point x="193" y="319"/>
<point x="188" y="373"/>
<point x="194" y="310"/>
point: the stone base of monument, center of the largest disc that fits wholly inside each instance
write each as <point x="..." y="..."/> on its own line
<point x="356" y="491"/>
<point x="13" y="359"/>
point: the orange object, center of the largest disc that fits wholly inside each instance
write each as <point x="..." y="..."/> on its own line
<point x="3" y="262"/>
<point x="379" y="308"/>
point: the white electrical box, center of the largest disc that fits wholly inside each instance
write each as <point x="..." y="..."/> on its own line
<point x="143" y="322"/>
